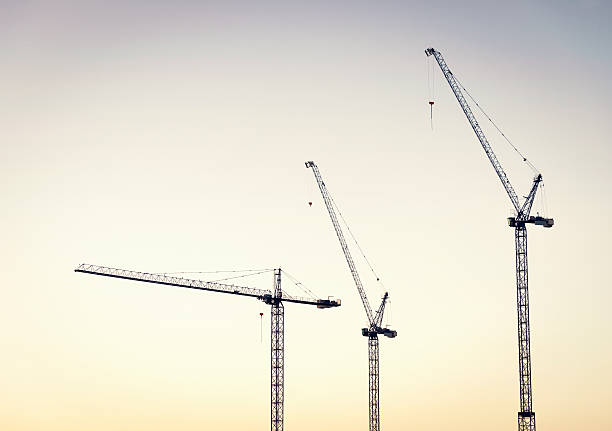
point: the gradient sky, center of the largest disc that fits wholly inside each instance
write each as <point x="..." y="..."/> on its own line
<point x="171" y="136"/>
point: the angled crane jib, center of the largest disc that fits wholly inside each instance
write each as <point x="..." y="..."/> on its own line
<point x="374" y="320"/>
<point x="522" y="211"/>
<point x="343" y="244"/>
<point x="450" y="78"/>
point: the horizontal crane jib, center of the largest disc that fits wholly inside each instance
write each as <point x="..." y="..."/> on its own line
<point x="211" y="286"/>
<point x="172" y="281"/>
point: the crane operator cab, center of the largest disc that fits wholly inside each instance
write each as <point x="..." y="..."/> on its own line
<point x="384" y="331"/>
<point x="328" y="303"/>
<point x="537" y="220"/>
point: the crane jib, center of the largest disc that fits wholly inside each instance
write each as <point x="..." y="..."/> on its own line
<point x="522" y="211"/>
<point x="263" y="295"/>
<point x="476" y="127"/>
<point x="342" y="240"/>
<point x="374" y="321"/>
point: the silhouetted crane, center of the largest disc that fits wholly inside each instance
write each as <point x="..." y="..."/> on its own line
<point x="526" y="417"/>
<point x="277" y="326"/>
<point x="374" y="319"/>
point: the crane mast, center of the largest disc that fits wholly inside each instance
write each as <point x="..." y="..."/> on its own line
<point x="273" y="298"/>
<point x="277" y="357"/>
<point x="374" y="320"/>
<point x="526" y="415"/>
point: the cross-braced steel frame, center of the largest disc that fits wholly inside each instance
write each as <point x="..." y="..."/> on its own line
<point x="373" y="358"/>
<point x="277" y="359"/>
<point x="526" y="416"/>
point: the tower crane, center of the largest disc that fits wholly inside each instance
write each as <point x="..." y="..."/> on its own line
<point x="522" y="217"/>
<point x="374" y="319"/>
<point x="274" y="298"/>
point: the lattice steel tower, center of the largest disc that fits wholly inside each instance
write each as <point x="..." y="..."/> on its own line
<point x="277" y="356"/>
<point x="526" y="415"/>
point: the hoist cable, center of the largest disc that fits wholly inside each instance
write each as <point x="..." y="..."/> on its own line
<point x="427" y="65"/>
<point x="433" y="80"/>
<point x="544" y="199"/>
